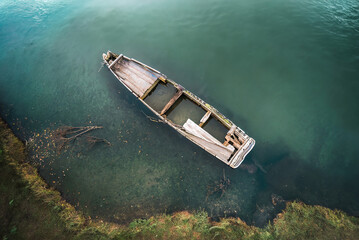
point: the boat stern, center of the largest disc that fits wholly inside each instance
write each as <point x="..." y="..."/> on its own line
<point x="241" y="153"/>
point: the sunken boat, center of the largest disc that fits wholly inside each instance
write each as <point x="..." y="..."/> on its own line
<point x="182" y="110"/>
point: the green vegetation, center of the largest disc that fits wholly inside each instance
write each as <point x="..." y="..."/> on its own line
<point x="29" y="209"/>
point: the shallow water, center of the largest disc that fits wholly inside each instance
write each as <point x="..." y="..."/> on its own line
<point x="287" y="72"/>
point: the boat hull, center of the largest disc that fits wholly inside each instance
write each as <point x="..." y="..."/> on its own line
<point x="142" y="80"/>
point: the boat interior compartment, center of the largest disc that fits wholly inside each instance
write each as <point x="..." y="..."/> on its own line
<point x="160" y="96"/>
<point x="215" y="128"/>
<point x="183" y="109"/>
<point x="169" y="101"/>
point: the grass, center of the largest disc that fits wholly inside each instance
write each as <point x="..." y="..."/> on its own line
<point x="24" y="213"/>
<point x="300" y="221"/>
<point x="29" y="209"/>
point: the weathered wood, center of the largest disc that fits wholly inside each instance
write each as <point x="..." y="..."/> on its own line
<point x="241" y="153"/>
<point x="152" y="69"/>
<point x="236" y="143"/>
<point x="162" y="79"/>
<point x="240" y="136"/>
<point x="236" y="139"/>
<point x="225" y="121"/>
<point x="232" y="129"/>
<point x="193" y="128"/>
<point x="205" y="118"/>
<point x="138" y="71"/>
<point x="116" y="60"/>
<point x="207" y="141"/>
<point x="216" y="150"/>
<point x="172" y="101"/>
<point x="139" y="83"/>
<point x="125" y="80"/>
<point x="143" y="70"/>
<point x="134" y="73"/>
<point x="150" y="89"/>
<point x="139" y="80"/>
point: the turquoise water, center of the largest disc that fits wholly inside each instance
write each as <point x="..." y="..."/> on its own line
<point x="287" y="72"/>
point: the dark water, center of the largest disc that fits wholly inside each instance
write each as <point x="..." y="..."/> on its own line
<point x="287" y="72"/>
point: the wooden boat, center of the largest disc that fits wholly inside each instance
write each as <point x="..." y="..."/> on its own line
<point x="185" y="112"/>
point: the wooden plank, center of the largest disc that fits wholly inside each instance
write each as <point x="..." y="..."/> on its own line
<point x="162" y="79"/>
<point x="150" y="89"/>
<point x="205" y="118"/>
<point x="136" y="74"/>
<point x="144" y="70"/>
<point x="134" y="60"/>
<point x="235" y="142"/>
<point x="138" y="81"/>
<point x="140" y="71"/>
<point x="130" y="85"/>
<point x="232" y="129"/>
<point x="193" y="128"/>
<point x="207" y="141"/>
<point x="116" y="60"/>
<point x="139" y="89"/>
<point x="219" y="151"/>
<point x="172" y="101"/>
<point x="240" y="136"/>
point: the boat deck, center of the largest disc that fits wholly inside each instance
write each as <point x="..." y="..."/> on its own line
<point x="138" y="79"/>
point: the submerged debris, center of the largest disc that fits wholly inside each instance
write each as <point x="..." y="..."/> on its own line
<point x="51" y="142"/>
<point x="92" y="140"/>
<point x="67" y="134"/>
<point x="60" y="143"/>
<point x="219" y="186"/>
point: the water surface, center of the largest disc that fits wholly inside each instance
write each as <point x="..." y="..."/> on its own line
<point x="287" y="72"/>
